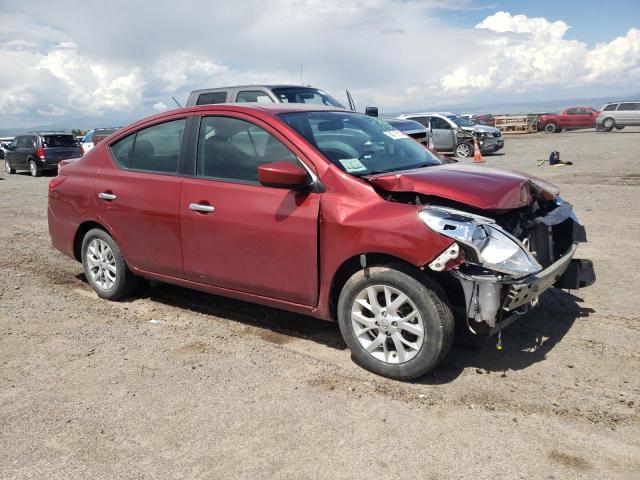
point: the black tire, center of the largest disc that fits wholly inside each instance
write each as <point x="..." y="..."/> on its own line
<point x="550" y="128"/>
<point x="8" y="168"/>
<point x="125" y="283"/>
<point x="463" y="150"/>
<point x="430" y="302"/>
<point x="619" y="127"/>
<point x="608" y="124"/>
<point x="34" y="169"/>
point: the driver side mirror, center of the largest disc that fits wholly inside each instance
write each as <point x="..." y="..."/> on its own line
<point x="282" y="175"/>
<point x="371" y="111"/>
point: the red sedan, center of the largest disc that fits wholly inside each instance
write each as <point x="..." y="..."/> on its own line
<point x="320" y="211"/>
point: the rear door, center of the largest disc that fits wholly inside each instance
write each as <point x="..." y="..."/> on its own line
<point x="238" y="234"/>
<point x="139" y="191"/>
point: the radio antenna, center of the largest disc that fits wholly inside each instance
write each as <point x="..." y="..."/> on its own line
<point x="301" y="82"/>
<point x="177" y="103"/>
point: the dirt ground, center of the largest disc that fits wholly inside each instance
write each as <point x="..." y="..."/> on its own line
<point x="225" y="389"/>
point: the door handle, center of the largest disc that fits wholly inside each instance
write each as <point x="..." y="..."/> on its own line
<point x="107" y="196"/>
<point x="199" y="207"/>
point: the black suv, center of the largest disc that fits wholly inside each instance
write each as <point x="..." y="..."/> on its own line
<point x="40" y="151"/>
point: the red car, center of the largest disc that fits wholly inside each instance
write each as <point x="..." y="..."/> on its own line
<point x="570" y="119"/>
<point x="320" y="211"/>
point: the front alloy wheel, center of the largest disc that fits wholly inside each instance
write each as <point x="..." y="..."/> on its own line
<point x="387" y="324"/>
<point x="463" y="150"/>
<point x="7" y="166"/>
<point x="608" y="124"/>
<point x="397" y="322"/>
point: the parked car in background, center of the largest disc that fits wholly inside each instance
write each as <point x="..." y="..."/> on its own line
<point x="618" y="115"/>
<point x="321" y="211"/>
<point x="4" y="146"/>
<point x="452" y="133"/>
<point x="569" y="119"/>
<point x="40" y="151"/>
<point x="289" y="94"/>
<point x="95" y="136"/>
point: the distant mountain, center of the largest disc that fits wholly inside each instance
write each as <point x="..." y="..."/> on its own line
<point x="68" y="124"/>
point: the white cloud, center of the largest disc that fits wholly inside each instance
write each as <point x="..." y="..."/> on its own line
<point x="518" y="53"/>
<point x="159" y="106"/>
<point x="398" y="56"/>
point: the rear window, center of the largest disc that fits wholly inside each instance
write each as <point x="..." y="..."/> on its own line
<point x="610" y="107"/>
<point x="211" y="98"/>
<point x="52" y="141"/>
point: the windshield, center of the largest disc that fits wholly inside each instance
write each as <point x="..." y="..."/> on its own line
<point x="359" y="144"/>
<point x="306" y="95"/>
<point x="459" y="121"/>
<point x="51" y="141"/>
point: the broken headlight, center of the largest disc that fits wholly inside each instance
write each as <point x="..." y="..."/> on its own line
<point x="491" y="246"/>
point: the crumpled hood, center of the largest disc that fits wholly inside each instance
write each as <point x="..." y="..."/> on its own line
<point x="483" y="188"/>
<point x="481" y="128"/>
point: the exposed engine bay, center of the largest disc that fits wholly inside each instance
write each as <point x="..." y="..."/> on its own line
<point x="504" y="260"/>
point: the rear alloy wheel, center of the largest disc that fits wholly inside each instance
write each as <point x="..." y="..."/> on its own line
<point x="394" y="324"/>
<point x="463" y="150"/>
<point x="608" y="124"/>
<point x="34" y="169"/>
<point x="104" y="266"/>
<point x="550" y="128"/>
<point x="7" y="167"/>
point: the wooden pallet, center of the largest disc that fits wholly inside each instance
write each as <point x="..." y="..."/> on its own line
<point x="516" y="123"/>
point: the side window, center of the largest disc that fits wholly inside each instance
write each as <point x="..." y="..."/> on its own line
<point x="423" y="120"/>
<point x="439" y="124"/>
<point x="253" y="96"/>
<point x="121" y="150"/>
<point x="14" y="143"/>
<point x="610" y="107"/>
<point x="233" y="149"/>
<point x="157" y="148"/>
<point x="572" y="111"/>
<point x="25" y="142"/>
<point x="211" y="98"/>
<point x="627" y="106"/>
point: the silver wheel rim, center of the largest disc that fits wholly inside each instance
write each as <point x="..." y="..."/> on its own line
<point x="608" y="123"/>
<point x="387" y="324"/>
<point x="101" y="264"/>
<point x="7" y="166"/>
<point x="32" y="167"/>
<point x="550" y="128"/>
<point x="463" y="150"/>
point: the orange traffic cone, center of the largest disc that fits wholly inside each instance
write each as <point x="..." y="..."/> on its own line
<point x="477" y="155"/>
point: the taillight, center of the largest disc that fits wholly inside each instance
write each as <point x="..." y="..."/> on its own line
<point x="55" y="182"/>
<point x="40" y="153"/>
<point x="81" y="151"/>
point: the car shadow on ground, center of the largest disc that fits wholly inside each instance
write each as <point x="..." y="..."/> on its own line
<point x="525" y="342"/>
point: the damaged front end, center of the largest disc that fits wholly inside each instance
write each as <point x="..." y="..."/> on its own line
<point x="505" y="263"/>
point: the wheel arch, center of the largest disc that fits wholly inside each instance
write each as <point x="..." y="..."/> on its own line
<point x="352" y="265"/>
<point x="81" y="231"/>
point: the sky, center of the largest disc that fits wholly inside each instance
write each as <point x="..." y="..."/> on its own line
<point x="101" y="62"/>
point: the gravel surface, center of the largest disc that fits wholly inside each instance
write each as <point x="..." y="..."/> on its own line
<point x="218" y="388"/>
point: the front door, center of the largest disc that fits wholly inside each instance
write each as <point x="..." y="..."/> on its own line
<point x="138" y="191"/>
<point x="443" y="135"/>
<point x="238" y="234"/>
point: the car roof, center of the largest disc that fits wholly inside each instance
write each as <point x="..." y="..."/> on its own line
<point x="256" y="85"/>
<point x="276" y="108"/>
